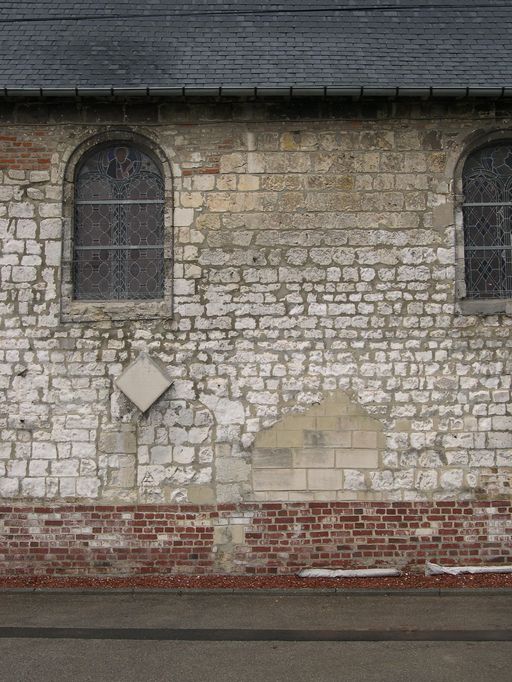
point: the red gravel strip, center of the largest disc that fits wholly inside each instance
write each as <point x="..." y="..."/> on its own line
<point x="285" y="582"/>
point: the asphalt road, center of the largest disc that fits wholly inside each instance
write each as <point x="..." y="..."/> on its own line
<point x="87" y="644"/>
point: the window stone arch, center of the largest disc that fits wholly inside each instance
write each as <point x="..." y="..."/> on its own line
<point x="484" y="225"/>
<point x="117" y="248"/>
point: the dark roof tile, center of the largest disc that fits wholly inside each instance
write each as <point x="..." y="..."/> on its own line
<point x="167" y="43"/>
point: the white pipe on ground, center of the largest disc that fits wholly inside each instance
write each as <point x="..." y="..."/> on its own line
<point x="436" y="569"/>
<point x="350" y="573"/>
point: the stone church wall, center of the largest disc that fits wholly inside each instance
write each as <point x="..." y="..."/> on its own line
<point x="321" y="364"/>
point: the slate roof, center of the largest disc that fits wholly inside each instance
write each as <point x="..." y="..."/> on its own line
<point x="156" y="46"/>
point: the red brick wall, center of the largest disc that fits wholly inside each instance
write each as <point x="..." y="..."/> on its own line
<point x="277" y="537"/>
<point x="22" y="153"/>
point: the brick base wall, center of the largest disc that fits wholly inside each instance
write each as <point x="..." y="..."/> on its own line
<point x="262" y="538"/>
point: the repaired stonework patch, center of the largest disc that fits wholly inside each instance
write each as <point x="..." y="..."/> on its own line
<point x="143" y="382"/>
<point x="328" y="452"/>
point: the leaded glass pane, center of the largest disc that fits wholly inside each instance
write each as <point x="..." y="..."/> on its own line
<point x="119" y="219"/>
<point x="487" y="183"/>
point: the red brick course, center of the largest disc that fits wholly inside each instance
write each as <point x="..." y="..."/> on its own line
<point x="279" y="538"/>
<point x="20" y="153"/>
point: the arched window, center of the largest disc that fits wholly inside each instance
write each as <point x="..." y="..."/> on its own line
<point x="487" y="210"/>
<point x="118" y="235"/>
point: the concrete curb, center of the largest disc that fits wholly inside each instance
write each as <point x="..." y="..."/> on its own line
<point x="277" y="592"/>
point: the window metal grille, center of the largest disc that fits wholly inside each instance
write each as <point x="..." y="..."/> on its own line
<point x="487" y="208"/>
<point x="118" y="251"/>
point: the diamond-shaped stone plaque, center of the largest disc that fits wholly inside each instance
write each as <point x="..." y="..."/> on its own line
<point x="143" y="381"/>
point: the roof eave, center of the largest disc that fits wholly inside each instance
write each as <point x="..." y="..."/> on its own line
<point x="259" y="91"/>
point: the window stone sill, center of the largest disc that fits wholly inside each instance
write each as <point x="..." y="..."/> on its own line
<point x="100" y="311"/>
<point x="485" y="307"/>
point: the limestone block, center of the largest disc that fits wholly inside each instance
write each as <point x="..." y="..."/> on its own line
<point x="225" y="411"/>
<point x="280" y="458"/>
<point x="117" y="442"/>
<point x="38" y="467"/>
<point x="364" y="439"/>
<point x="205" y="455"/>
<point x="26" y="229"/>
<point x="124" y="475"/>
<point x="452" y="479"/>
<point x="233" y="163"/>
<point x="87" y="487"/>
<point x="5" y="450"/>
<point x="357" y="458"/>
<point x="183" y="216"/>
<point x="203" y="182"/>
<point x="23" y="274"/>
<point x="67" y="487"/>
<point x="289" y="439"/>
<point x="88" y="467"/>
<point x="65" y="467"/>
<point x="266" y="439"/>
<point x="44" y="450"/>
<point x="9" y="487"/>
<point x="248" y="183"/>
<point x="459" y="440"/>
<point x="21" y="209"/>
<point x="86" y="450"/>
<point x="478" y="458"/>
<point x="198" y="435"/>
<point x="501" y="397"/>
<point x="237" y="534"/>
<point x="203" y="475"/>
<point x="381" y="480"/>
<point x="180" y="475"/>
<point x="39" y="176"/>
<point x="297" y="422"/>
<point x="325" y="424"/>
<point x="358" y="423"/>
<point x="229" y="492"/>
<point x="201" y="494"/>
<point x="353" y="480"/>
<point x="33" y="487"/>
<point x="6" y="193"/>
<point x="502" y="423"/>
<point x="279" y="479"/>
<point x="231" y="469"/>
<point x="52" y="252"/>
<point x="183" y="454"/>
<point x="327" y="439"/>
<point x="324" y="479"/>
<point x="299" y="495"/>
<point x="499" y="440"/>
<point x="314" y="458"/>
<point x="50" y="210"/>
<point x="184" y="287"/>
<point x="16" y="467"/>
<point x="504" y="458"/>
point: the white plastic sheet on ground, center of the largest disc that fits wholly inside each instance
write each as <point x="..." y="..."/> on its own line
<point x="341" y="573"/>
<point x="437" y="569"/>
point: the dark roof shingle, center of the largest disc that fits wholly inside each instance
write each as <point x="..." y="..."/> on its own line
<point x="241" y="43"/>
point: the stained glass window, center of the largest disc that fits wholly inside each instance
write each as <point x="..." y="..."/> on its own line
<point x="487" y="188"/>
<point x="118" y="251"/>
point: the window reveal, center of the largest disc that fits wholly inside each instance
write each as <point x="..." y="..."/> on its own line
<point x="487" y="210"/>
<point x="118" y="251"/>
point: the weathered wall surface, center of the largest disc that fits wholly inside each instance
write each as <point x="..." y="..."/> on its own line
<point x="314" y="280"/>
